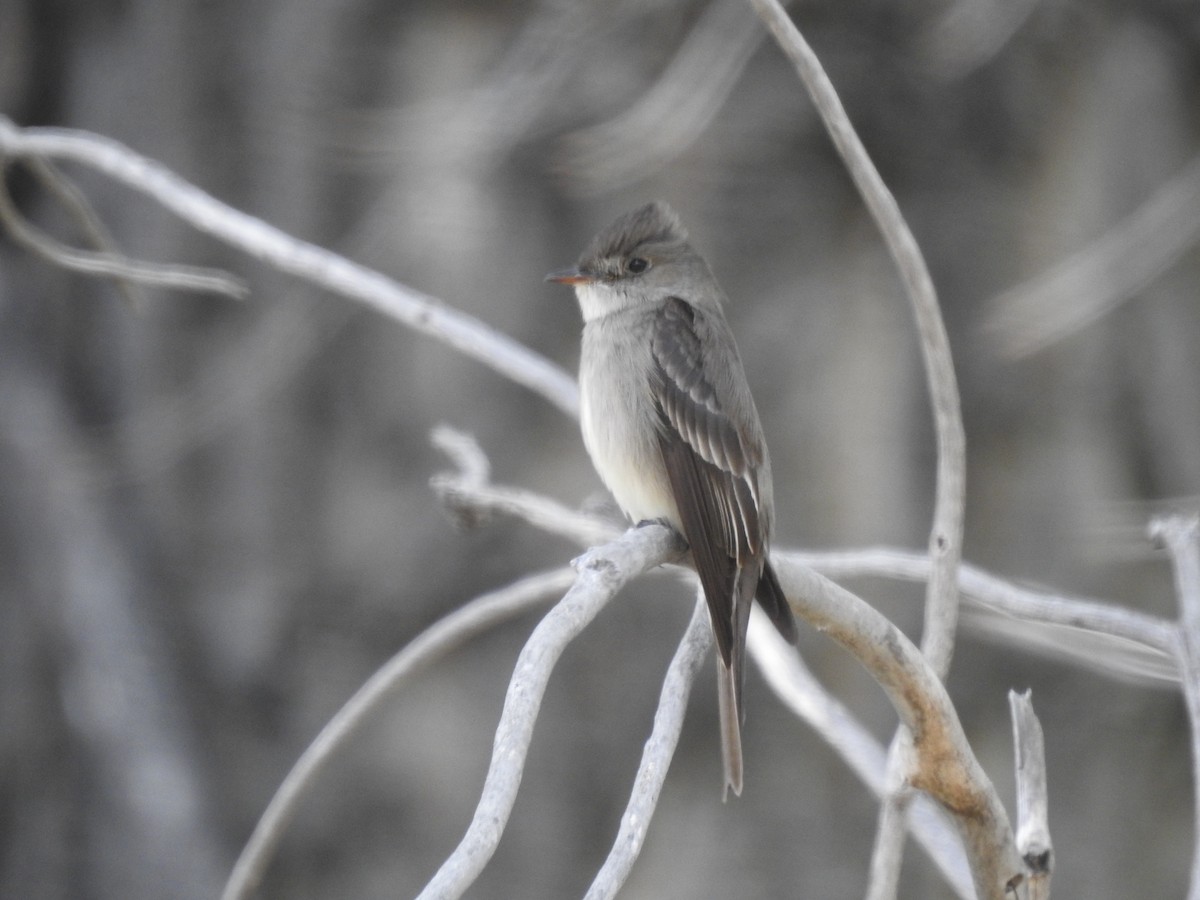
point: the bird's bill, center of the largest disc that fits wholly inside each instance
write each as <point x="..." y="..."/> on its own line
<point x="572" y="275"/>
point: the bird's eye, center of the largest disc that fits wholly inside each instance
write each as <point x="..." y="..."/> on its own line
<point x="637" y="265"/>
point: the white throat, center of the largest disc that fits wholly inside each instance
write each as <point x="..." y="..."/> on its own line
<point x="598" y="299"/>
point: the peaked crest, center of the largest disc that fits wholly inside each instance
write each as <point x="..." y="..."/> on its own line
<point x="654" y="223"/>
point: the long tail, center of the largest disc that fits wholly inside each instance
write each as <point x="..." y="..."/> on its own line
<point x="730" y="677"/>
<point x="731" y="729"/>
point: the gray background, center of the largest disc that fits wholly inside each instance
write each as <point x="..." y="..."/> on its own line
<point x="215" y="519"/>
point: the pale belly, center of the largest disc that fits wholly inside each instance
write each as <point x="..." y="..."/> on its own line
<point x="621" y="440"/>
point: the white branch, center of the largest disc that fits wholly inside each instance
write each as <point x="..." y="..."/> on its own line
<point x="299" y="258"/>
<point x="1181" y="536"/>
<point x="945" y="539"/>
<point x="440" y="638"/>
<point x="601" y="572"/>
<point x="657" y="755"/>
<point x="105" y="263"/>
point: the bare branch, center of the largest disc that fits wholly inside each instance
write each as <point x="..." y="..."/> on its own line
<point x="299" y="258"/>
<point x="471" y="499"/>
<point x="73" y="200"/>
<point x="1135" y="643"/>
<point x="970" y="34"/>
<point x="945" y="766"/>
<point x="1033" y="809"/>
<point x="657" y="755"/>
<point x="439" y="639"/>
<point x="1180" y="534"/>
<point x="113" y="265"/>
<point x="1098" y="278"/>
<point x="600" y="573"/>
<point x="668" y="117"/>
<point x="795" y="685"/>
<point x="945" y="540"/>
<point x="891" y="829"/>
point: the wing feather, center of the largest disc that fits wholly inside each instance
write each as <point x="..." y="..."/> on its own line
<point x="711" y="459"/>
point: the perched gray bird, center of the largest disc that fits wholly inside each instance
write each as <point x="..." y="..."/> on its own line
<point x="672" y="430"/>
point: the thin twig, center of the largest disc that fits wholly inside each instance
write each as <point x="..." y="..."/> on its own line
<point x="112" y="265"/>
<point x="469" y="503"/>
<point x="657" y="755"/>
<point x="77" y="205"/>
<point x="420" y="311"/>
<point x="600" y="573"/>
<point x="439" y="639"/>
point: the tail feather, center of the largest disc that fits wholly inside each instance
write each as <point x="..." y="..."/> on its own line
<point x="731" y="729"/>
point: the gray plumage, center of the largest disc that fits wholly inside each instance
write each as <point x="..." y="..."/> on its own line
<point x="672" y="429"/>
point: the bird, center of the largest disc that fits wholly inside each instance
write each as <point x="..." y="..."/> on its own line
<point x="671" y="428"/>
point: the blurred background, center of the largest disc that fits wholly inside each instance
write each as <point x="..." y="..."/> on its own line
<point x="215" y="519"/>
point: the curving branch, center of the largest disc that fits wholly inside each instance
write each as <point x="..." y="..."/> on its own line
<point x="945" y="539"/>
<point x="600" y="573"/>
<point x="435" y="642"/>
<point x="786" y="674"/>
<point x="107" y="263"/>
<point x="288" y="254"/>
<point x="657" y="755"/>
<point x="944" y="766"/>
<point x="672" y="114"/>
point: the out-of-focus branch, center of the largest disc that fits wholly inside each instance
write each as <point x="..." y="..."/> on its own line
<point x="304" y="260"/>
<point x="435" y="642"/>
<point x="1180" y="534"/>
<point x="80" y="209"/>
<point x="1134" y="643"/>
<point x="970" y="34"/>
<point x="109" y="264"/>
<point x="1033" y="807"/>
<point x="657" y="755"/>
<point x="668" y="117"/>
<point x="1098" y="278"/>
